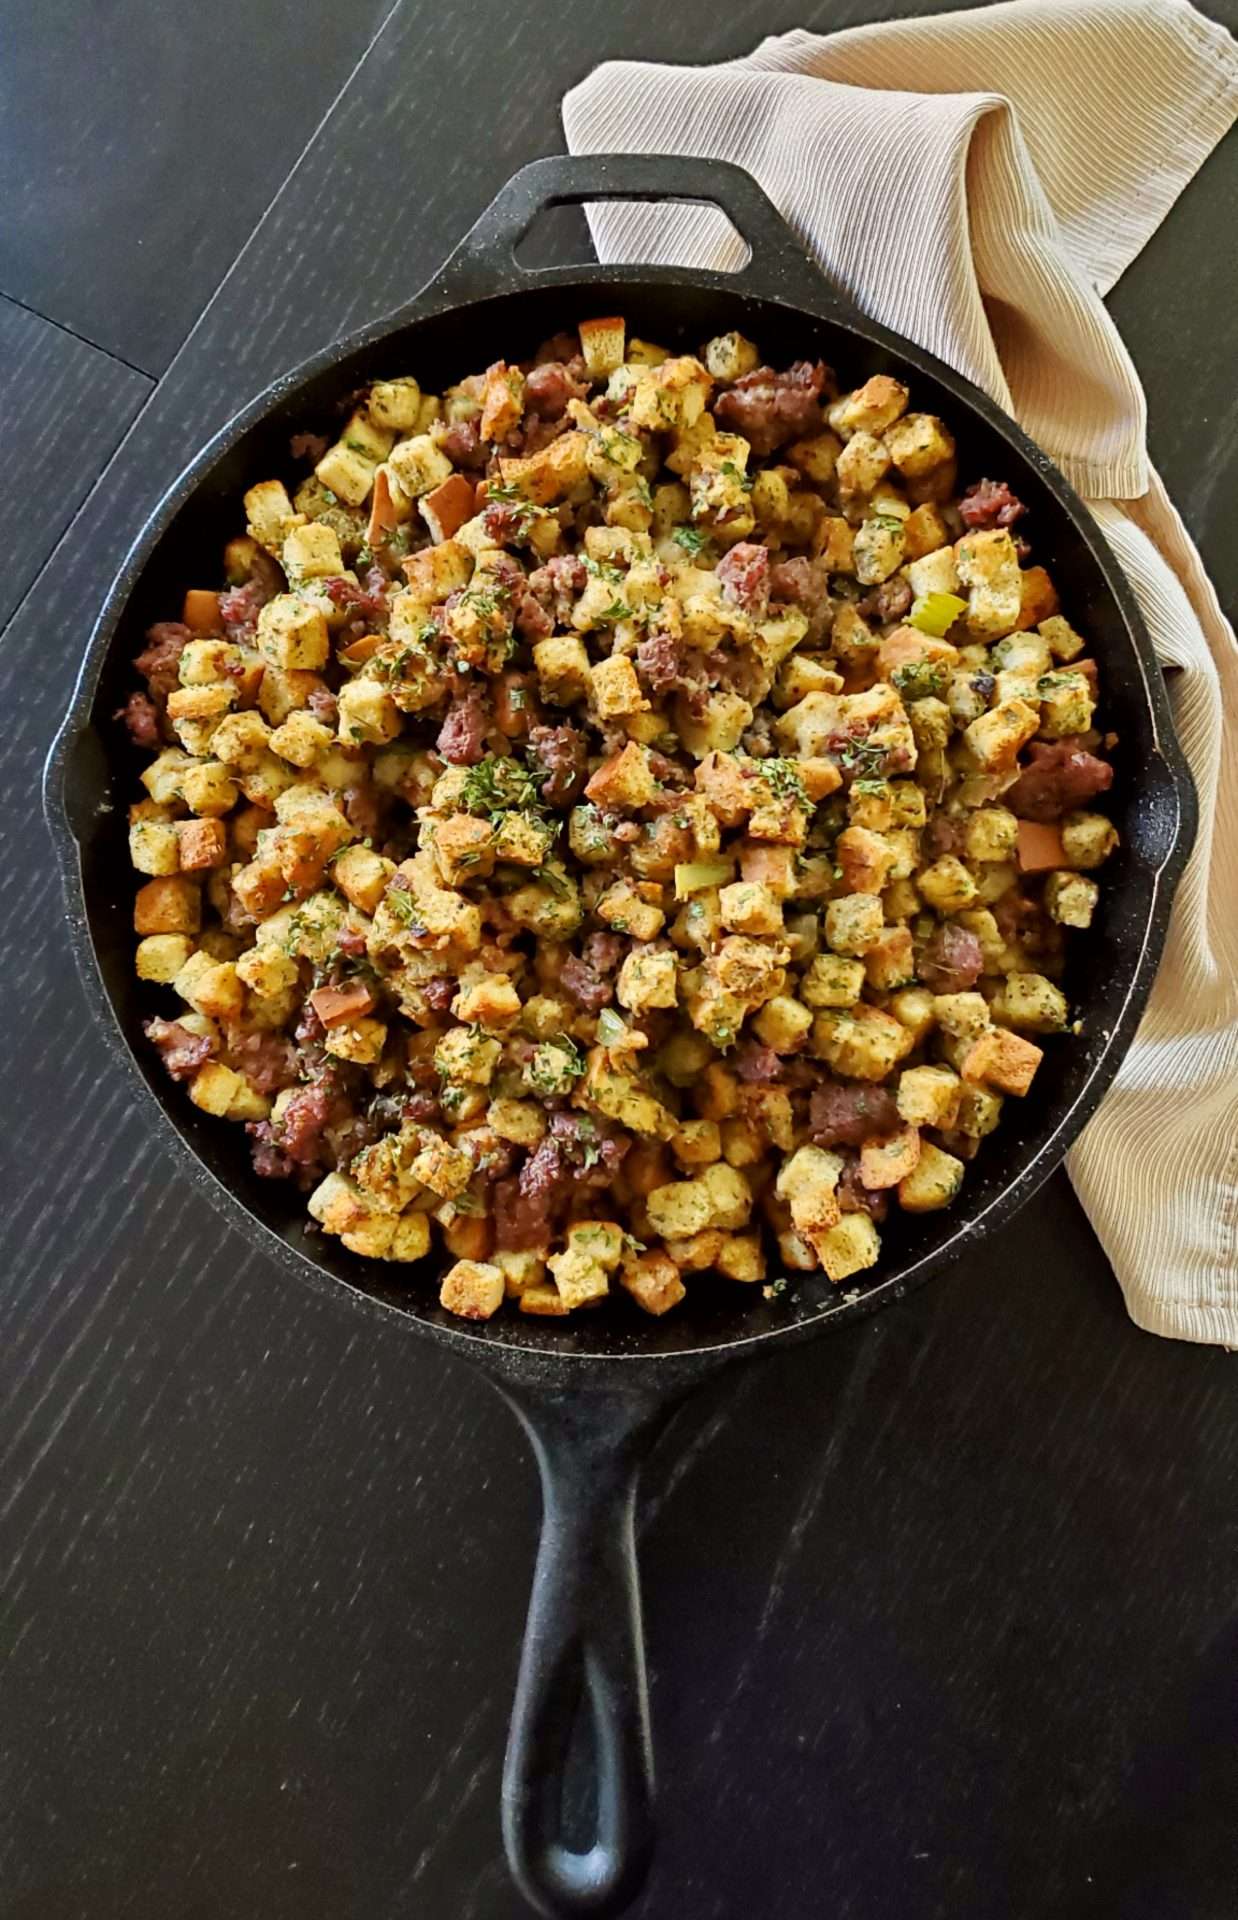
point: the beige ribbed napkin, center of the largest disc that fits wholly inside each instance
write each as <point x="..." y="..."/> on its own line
<point x="978" y="181"/>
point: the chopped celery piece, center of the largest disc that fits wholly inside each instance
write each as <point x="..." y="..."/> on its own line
<point x="693" y="876"/>
<point x="936" y="613"/>
<point x="610" y="1027"/>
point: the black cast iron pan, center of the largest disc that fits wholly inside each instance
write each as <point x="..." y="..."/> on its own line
<point x="593" y="1391"/>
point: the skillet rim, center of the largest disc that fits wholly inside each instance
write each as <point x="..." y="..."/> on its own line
<point x="812" y="296"/>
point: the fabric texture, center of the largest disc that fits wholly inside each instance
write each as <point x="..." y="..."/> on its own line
<point x="1031" y="147"/>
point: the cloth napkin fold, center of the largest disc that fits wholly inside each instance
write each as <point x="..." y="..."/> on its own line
<point x="978" y="181"/>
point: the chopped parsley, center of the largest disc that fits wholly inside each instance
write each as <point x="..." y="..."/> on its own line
<point x="784" y="779"/>
<point x="498" y="785"/>
<point x="866" y="759"/>
<point x="691" y="539"/>
<point x="919" y="679"/>
<point x="555" y="1067"/>
<point x="614" y="576"/>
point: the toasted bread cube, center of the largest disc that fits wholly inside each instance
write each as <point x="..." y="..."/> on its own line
<point x="293" y="634"/>
<point x="865" y="858"/>
<point x="988" y="565"/>
<point x="980" y="1109"/>
<point x="270" y="514"/>
<point x="1088" y="839"/>
<point x="1001" y="1059"/>
<point x="502" y="401"/>
<point x="521" y="1268"/>
<point x="489" y="1002"/>
<point x="928" y="1096"/>
<point x="544" y="1300"/>
<point x="214" y="1088"/>
<point x="728" y="356"/>
<point x="360" y="1041"/>
<point x="419" y="465"/>
<point x="729" y="1195"/>
<point x="934" y="572"/>
<point x="996" y="737"/>
<point x="1064" y="643"/>
<point x="862" y="1042"/>
<point x="578" y="1278"/>
<point x="862" y="465"/>
<point x="741" y="1257"/>
<point x="913" y="1008"/>
<point x="467" y="1056"/>
<point x="169" y="904"/>
<point x="312" y="552"/>
<point x="947" y="885"/>
<point x="616" y="689"/>
<point x="154" y="847"/>
<point x="653" y="1281"/>
<point x="161" y="956"/>
<point x="563" y="669"/>
<point x="870" y="408"/>
<point x="853" y="923"/>
<point x="301" y="739"/>
<point x="832" y="981"/>
<point x="625" y="782"/>
<point x="448" y="506"/>
<point x="890" y="961"/>
<point x="917" y="443"/>
<point x="879" y="548"/>
<point x="602" y="344"/>
<point x="749" y="907"/>
<point x="783" y="1023"/>
<point x="211" y="987"/>
<point x="647" y="980"/>
<point x="201" y="844"/>
<point x="410" y="1239"/>
<point x="395" y="404"/>
<point x="697" y="1143"/>
<point x="991" y="833"/>
<point x="473" y="1289"/>
<point x="521" y="840"/>
<point x="680" y="1209"/>
<point x="851" y="1245"/>
<point x="1031" y="1003"/>
<point x="883" y="1163"/>
<point x="672" y="394"/>
<point x="241" y="739"/>
<point x="368" y="714"/>
<point x="963" y="1015"/>
<point x="346" y="473"/>
<point x="1067" y="703"/>
<point x="933" y="1182"/>
<point x="1070" y="899"/>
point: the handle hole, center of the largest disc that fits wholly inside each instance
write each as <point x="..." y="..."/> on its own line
<point x="633" y="233"/>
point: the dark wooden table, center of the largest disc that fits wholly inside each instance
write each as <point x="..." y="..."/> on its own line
<point x="942" y="1613"/>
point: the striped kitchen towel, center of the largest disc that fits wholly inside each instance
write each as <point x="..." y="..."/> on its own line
<point x="979" y="180"/>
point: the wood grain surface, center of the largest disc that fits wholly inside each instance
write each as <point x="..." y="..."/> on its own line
<point x="941" y="1612"/>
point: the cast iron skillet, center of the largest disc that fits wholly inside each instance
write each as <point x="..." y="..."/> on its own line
<point x="593" y="1391"/>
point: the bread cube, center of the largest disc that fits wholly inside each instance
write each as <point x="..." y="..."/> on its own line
<point x="1088" y="839"/>
<point x="616" y="689"/>
<point x="647" y="980"/>
<point x="884" y="1163"/>
<point x="201" y="844"/>
<point x="1070" y="899"/>
<point x="1031" y="1003"/>
<point x="991" y="833"/>
<point x="169" y="904"/>
<point x="890" y="962"/>
<point x="783" y="1023"/>
<point x="270" y="514"/>
<point x="160" y="957"/>
<point x="361" y="1041"/>
<point x="914" y="1008"/>
<point x="312" y="552"/>
<point x="988" y="565"/>
<point x="871" y="408"/>
<point x="933" y="1183"/>
<point x="728" y="356"/>
<point x="293" y="634"/>
<point x="346" y="473"/>
<point x="368" y="714"/>
<point x="853" y="923"/>
<point x="217" y="1090"/>
<point x="862" y="465"/>
<point x="934" y="572"/>
<point x="672" y="394"/>
<point x="154" y="847"/>
<point x="1064" y="643"/>
<point x="563" y="670"/>
<point x="602" y="344"/>
<point x="653" y="1281"/>
<point x="996" y="737"/>
<point x="947" y="885"/>
<point x="851" y="1245"/>
<point x="928" y="1096"/>
<point x="917" y="443"/>
<point x="980" y="1109"/>
<point x="879" y="548"/>
<point x="472" y="1289"/>
<point x="862" y="1042"/>
<point x="1067" y="703"/>
<point x="832" y="981"/>
<point x="1001" y="1059"/>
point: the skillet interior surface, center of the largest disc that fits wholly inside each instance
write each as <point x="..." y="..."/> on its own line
<point x="93" y="776"/>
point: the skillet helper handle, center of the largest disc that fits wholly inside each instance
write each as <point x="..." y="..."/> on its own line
<point x="778" y="264"/>
<point x="583" y="1651"/>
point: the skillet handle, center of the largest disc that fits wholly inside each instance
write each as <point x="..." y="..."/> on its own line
<point x="485" y="261"/>
<point x="583" y="1649"/>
